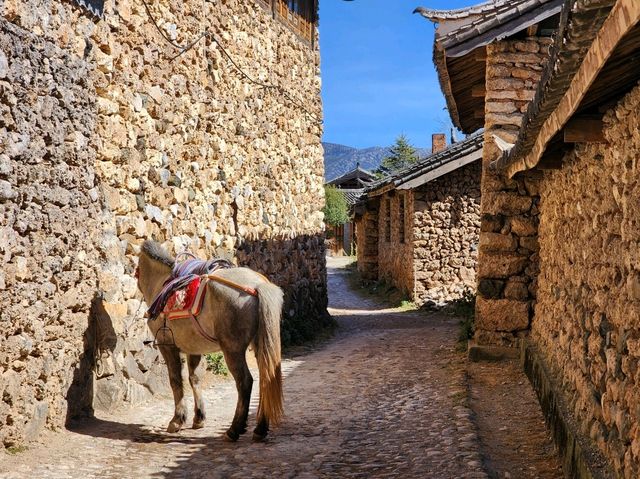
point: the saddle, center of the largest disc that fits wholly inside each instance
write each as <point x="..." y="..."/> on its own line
<point x="183" y="292"/>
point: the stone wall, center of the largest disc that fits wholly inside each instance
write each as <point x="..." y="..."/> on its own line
<point x="107" y="139"/>
<point x="49" y="216"/>
<point x="367" y="240"/>
<point x="507" y="260"/>
<point x="445" y="235"/>
<point x="435" y="261"/>
<point x="395" y="253"/>
<point x="298" y="264"/>
<point x="588" y="302"/>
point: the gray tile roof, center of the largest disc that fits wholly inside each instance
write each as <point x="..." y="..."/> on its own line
<point x="468" y="28"/>
<point x="360" y="174"/>
<point x="352" y="196"/>
<point x="580" y="23"/>
<point x="433" y="162"/>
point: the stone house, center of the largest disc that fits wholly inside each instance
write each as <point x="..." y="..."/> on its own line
<point x="197" y="124"/>
<point x="418" y="228"/>
<point x="352" y="184"/>
<point x="558" y="268"/>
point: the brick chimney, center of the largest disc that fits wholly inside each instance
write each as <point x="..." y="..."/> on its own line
<point x="438" y="142"/>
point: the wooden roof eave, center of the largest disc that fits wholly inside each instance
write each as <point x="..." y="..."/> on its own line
<point x="442" y="170"/>
<point x="440" y="60"/>
<point x="623" y="17"/>
<point x="381" y="190"/>
<point x="466" y="116"/>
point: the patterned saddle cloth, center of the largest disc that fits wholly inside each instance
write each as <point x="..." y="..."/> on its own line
<point x="182" y="295"/>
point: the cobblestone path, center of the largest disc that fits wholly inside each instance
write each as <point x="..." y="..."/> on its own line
<point x="384" y="398"/>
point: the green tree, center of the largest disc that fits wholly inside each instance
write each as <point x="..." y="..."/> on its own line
<point x="336" y="211"/>
<point x="402" y="154"/>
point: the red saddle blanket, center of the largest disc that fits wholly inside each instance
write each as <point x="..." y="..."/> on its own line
<point x="187" y="301"/>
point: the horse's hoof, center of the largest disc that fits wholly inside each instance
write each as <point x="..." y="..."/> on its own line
<point x="198" y="424"/>
<point x="231" y="436"/>
<point x="259" y="437"/>
<point x="174" y="427"/>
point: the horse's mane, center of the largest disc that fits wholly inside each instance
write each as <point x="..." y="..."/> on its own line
<point x="156" y="252"/>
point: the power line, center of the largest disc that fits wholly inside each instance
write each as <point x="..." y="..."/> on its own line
<point x="245" y="75"/>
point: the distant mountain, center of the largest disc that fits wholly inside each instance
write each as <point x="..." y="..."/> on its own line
<point x="339" y="159"/>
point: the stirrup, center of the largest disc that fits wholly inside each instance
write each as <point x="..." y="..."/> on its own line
<point x="164" y="332"/>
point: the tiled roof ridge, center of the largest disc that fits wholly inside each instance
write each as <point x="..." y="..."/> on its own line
<point x="350" y="172"/>
<point x="432" y="161"/>
<point x="359" y="168"/>
<point x="459" y="13"/>
<point x="466" y="28"/>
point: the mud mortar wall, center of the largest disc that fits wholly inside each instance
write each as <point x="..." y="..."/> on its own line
<point x="508" y="255"/>
<point x="395" y="254"/>
<point x="588" y="304"/>
<point x="437" y="259"/>
<point x="445" y="235"/>
<point x="49" y="230"/>
<point x="367" y="240"/>
<point x="106" y="140"/>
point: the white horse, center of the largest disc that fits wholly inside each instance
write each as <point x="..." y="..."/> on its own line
<point x="231" y="319"/>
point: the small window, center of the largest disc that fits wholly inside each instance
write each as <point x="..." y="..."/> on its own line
<point x="401" y="219"/>
<point x="299" y="15"/>
<point x="387" y="221"/>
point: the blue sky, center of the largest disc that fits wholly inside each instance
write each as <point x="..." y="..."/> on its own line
<point x="378" y="78"/>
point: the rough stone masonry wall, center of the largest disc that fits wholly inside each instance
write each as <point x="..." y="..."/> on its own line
<point x="49" y="224"/>
<point x="395" y="255"/>
<point x="445" y="237"/>
<point x="586" y="317"/>
<point x="508" y="255"/>
<point x="367" y="241"/>
<point x="107" y="140"/>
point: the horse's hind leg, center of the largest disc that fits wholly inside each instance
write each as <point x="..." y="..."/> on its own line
<point x="193" y="360"/>
<point x="171" y="356"/>
<point x="262" y="428"/>
<point x="237" y="364"/>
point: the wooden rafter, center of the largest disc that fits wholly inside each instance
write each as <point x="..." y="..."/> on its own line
<point x="584" y="129"/>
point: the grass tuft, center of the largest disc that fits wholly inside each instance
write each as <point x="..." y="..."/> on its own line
<point x="465" y="309"/>
<point x="216" y="364"/>
<point x="16" y="449"/>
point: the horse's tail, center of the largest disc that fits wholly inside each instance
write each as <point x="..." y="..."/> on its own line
<point x="268" y="354"/>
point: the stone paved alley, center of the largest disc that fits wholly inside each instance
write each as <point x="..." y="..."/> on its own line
<point x="384" y="398"/>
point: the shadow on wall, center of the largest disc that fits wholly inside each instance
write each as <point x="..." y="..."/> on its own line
<point x="98" y="338"/>
<point x="298" y="266"/>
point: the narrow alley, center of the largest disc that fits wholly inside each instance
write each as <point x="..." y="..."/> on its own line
<point x="384" y="398"/>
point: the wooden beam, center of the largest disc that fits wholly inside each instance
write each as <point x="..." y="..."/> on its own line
<point x="552" y="160"/>
<point x="479" y="90"/>
<point x="480" y="54"/>
<point x="624" y="15"/>
<point x="584" y="130"/>
<point x="532" y="30"/>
